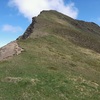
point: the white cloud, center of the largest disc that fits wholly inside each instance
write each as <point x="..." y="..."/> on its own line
<point x="30" y="8"/>
<point x="10" y="28"/>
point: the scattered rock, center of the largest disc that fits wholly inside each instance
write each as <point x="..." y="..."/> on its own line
<point x="19" y="79"/>
<point x="12" y="79"/>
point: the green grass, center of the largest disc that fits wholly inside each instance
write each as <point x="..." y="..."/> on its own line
<point x="60" y="62"/>
<point x="50" y="68"/>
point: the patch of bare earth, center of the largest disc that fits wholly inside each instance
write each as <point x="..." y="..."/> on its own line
<point x="10" y="50"/>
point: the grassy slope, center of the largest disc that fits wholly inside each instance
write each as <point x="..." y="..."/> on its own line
<point x="52" y="67"/>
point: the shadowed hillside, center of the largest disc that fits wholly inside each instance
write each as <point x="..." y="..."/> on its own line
<point x="59" y="60"/>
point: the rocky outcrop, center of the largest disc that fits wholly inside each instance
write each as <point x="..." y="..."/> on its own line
<point x="10" y="50"/>
<point x="29" y="30"/>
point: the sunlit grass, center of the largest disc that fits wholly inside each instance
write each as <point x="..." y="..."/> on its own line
<point x="56" y="64"/>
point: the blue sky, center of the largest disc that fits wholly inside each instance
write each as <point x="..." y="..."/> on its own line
<point x="15" y="15"/>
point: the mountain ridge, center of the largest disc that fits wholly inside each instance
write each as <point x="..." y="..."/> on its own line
<point x="58" y="59"/>
<point x="75" y="25"/>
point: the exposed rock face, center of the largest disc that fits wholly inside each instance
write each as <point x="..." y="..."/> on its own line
<point x="9" y="50"/>
<point x="29" y="30"/>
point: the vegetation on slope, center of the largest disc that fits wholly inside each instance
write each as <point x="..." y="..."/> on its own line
<point x="52" y="66"/>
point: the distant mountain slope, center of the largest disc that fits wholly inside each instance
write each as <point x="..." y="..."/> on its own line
<point x="85" y="34"/>
<point x="60" y="61"/>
